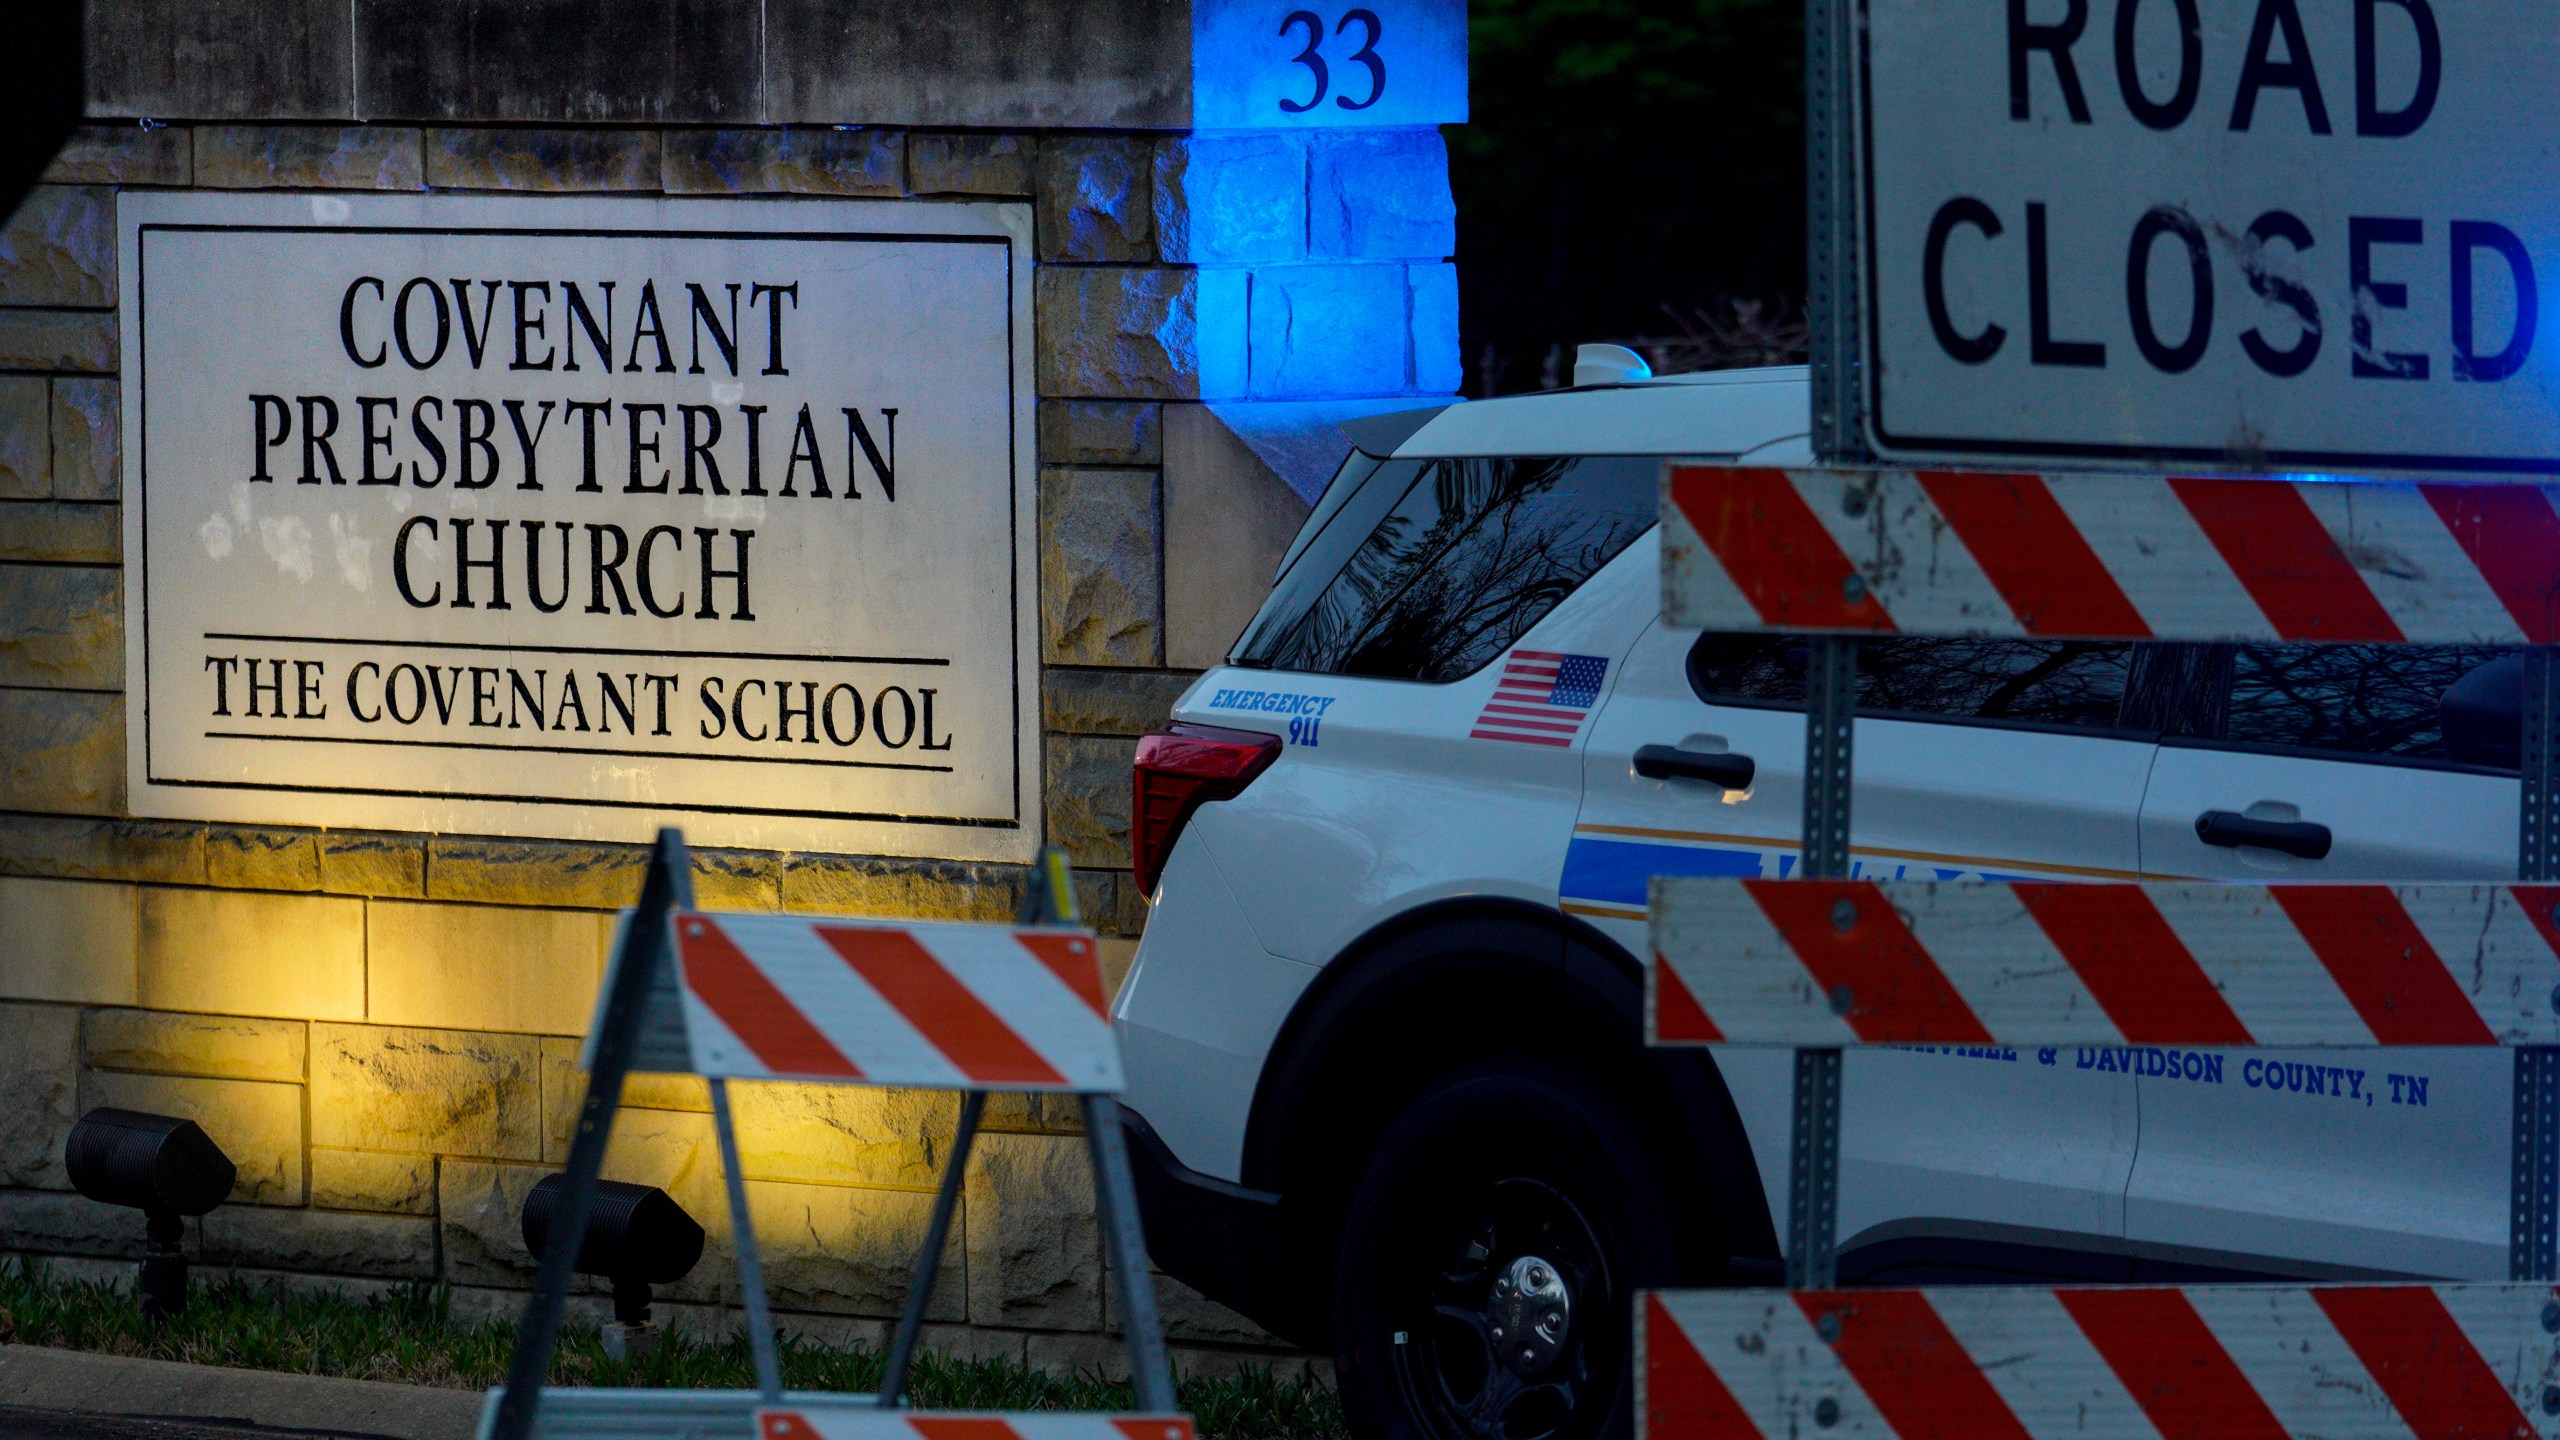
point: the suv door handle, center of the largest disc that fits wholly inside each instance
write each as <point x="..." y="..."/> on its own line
<point x="1669" y="762"/>
<point x="2230" y="829"/>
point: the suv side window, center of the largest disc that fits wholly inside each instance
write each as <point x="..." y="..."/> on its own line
<point x="2359" y="700"/>
<point x="1431" y="568"/>
<point x="2078" y="684"/>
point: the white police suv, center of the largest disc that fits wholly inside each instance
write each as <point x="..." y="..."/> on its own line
<point x="1387" y="1091"/>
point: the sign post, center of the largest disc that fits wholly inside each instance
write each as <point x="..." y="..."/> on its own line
<point x="1813" y="1149"/>
<point x="2533" y="1192"/>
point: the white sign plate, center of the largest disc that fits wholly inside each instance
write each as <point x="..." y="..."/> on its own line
<point x="577" y="516"/>
<point x="2259" y="234"/>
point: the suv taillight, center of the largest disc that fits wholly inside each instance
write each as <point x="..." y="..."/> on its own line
<point x="1178" y="769"/>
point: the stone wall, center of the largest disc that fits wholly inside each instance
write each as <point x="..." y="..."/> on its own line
<point x="381" y="1028"/>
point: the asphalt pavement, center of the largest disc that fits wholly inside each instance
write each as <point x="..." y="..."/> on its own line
<point x="19" y="1423"/>
<point x="46" y="1394"/>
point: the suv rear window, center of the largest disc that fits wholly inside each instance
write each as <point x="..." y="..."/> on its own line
<point x="1427" y="569"/>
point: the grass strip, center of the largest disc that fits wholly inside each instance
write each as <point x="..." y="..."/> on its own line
<point x="409" y="1336"/>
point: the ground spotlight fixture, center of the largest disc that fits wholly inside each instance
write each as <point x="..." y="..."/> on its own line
<point x="163" y="1166"/>
<point x="637" y="1236"/>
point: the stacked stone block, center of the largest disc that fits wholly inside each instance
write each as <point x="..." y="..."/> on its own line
<point x="1254" y="265"/>
<point x="382" y="1028"/>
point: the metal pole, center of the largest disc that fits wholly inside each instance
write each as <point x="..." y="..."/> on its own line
<point x="750" y="1264"/>
<point x="2533" y="1194"/>
<point x="1831" y="705"/>
<point x="1813" y="1158"/>
<point x="946" y="1202"/>
<point x="1052" y="901"/>
<point x="1813" y="1172"/>
<point x="1832" y="299"/>
<point x="1116" y="1204"/>
<point x="646" y="948"/>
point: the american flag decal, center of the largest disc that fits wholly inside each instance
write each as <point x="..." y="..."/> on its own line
<point x="1542" y="698"/>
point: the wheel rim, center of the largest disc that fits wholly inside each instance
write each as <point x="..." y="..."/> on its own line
<point x="1516" y="1256"/>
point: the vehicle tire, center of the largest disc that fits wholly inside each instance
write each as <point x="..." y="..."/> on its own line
<point x="1514" y="1193"/>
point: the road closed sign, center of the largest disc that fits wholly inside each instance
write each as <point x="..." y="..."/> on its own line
<point x="577" y="516"/>
<point x="2248" y="234"/>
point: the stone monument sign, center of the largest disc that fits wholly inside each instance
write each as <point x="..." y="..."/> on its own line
<point x="552" y="515"/>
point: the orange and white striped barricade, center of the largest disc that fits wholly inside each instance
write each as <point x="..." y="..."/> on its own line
<point x="801" y="1423"/>
<point x="967" y="1007"/>
<point x="2251" y="1362"/>
<point x="2109" y="557"/>
<point x="1941" y="962"/>
<point x="959" y="1007"/>
<point x="1820" y="962"/>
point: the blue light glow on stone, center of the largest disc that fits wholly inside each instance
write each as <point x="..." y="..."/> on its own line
<point x="1313" y="196"/>
<point x="1256" y="66"/>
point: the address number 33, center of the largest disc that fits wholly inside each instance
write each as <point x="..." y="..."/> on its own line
<point x="1313" y="58"/>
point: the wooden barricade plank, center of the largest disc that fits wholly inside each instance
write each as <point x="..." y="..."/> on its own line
<point x="2250" y="1362"/>
<point x="813" y="1422"/>
<point x="954" y="1006"/>
<point x="1856" y="962"/>
<point x="2110" y="557"/>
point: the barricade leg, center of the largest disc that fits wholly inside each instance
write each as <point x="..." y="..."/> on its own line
<point x="1116" y="1199"/>
<point x="645" y="953"/>
<point x="750" y="1263"/>
<point x="946" y="1200"/>
<point x="725" y="965"/>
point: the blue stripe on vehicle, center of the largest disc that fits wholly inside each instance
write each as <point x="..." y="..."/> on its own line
<point x="1614" y="871"/>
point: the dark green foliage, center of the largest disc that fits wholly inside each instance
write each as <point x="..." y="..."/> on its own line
<point x="1624" y="156"/>
<point x="408" y="1336"/>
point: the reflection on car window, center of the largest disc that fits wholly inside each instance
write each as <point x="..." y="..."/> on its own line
<point x="1436" y="566"/>
<point x="2033" y="682"/>
<point x="2381" y="700"/>
<point x="2357" y="699"/>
